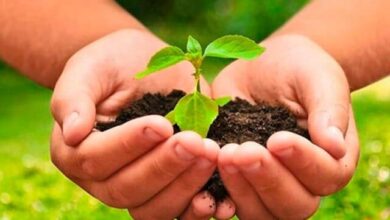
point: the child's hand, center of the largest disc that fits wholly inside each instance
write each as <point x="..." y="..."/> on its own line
<point x="286" y="180"/>
<point x="139" y="165"/>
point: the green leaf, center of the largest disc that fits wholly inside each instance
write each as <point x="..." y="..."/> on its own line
<point x="164" y="58"/>
<point x="221" y="101"/>
<point x="193" y="46"/>
<point x="171" y="117"/>
<point x="196" y="112"/>
<point x="234" y="46"/>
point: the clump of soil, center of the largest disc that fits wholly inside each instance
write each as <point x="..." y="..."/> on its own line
<point x="237" y="122"/>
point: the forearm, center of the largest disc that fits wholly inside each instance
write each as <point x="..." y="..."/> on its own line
<point x="38" y="37"/>
<point x="354" y="32"/>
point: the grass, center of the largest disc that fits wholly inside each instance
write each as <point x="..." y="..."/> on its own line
<point x="367" y="196"/>
<point x="31" y="187"/>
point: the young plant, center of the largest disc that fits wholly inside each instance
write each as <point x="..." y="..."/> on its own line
<point x="195" y="111"/>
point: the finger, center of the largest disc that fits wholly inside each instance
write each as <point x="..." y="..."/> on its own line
<point x="144" y="178"/>
<point x="202" y="207"/>
<point x="280" y="192"/>
<point x="103" y="153"/>
<point x="75" y="115"/>
<point x="73" y="103"/>
<point x="327" y="104"/>
<point x="318" y="171"/>
<point x="248" y="204"/>
<point x="174" y="198"/>
<point x="229" y="83"/>
<point x="225" y="209"/>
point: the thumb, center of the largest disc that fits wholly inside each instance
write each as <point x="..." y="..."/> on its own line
<point x="73" y="107"/>
<point x="328" y="106"/>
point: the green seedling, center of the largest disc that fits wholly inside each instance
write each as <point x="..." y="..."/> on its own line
<point x="195" y="111"/>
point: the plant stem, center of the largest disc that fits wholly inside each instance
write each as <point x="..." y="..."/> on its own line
<point x="197" y="63"/>
<point x="197" y="79"/>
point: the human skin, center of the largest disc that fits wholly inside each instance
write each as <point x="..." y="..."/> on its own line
<point x="38" y="38"/>
<point x="43" y="62"/>
<point x="333" y="158"/>
<point x="310" y="66"/>
<point x="354" y="33"/>
<point x="286" y="180"/>
<point x="137" y="165"/>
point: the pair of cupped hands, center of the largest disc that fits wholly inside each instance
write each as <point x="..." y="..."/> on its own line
<point x="155" y="174"/>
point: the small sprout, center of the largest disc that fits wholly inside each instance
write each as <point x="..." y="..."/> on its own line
<point x="195" y="111"/>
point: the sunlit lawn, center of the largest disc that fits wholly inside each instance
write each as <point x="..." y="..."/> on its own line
<point x="32" y="188"/>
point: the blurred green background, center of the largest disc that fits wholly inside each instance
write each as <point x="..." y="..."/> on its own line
<point x="32" y="188"/>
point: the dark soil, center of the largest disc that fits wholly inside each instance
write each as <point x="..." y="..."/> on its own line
<point x="238" y="122"/>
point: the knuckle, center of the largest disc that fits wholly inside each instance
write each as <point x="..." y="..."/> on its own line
<point x="272" y="181"/>
<point x="127" y="146"/>
<point x="116" y="198"/>
<point x="161" y="170"/>
<point x="272" y="184"/>
<point x="307" y="166"/>
<point x="90" y="168"/>
<point x="189" y="185"/>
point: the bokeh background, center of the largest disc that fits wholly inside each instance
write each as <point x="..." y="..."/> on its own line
<point x="32" y="188"/>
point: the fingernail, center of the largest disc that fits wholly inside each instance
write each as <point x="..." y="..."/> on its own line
<point x="284" y="152"/>
<point x="203" y="163"/>
<point x="183" y="153"/>
<point x="152" y="134"/>
<point x="336" y="133"/>
<point x="231" y="169"/>
<point x="69" y="121"/>
<point x="253" y="167"/>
